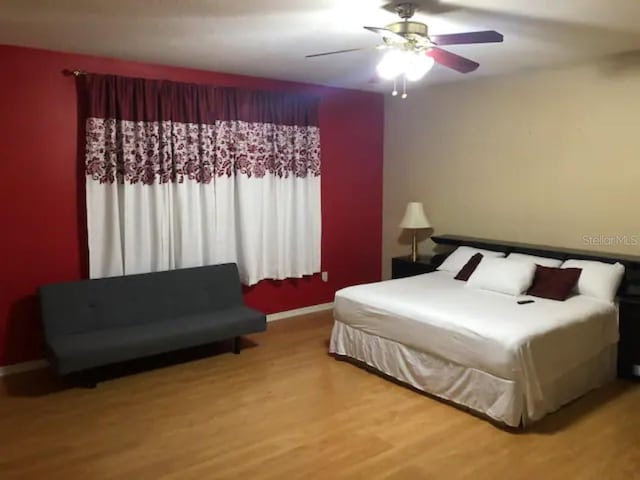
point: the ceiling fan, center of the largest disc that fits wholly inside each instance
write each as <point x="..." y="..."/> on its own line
<point x="412" y="52"/>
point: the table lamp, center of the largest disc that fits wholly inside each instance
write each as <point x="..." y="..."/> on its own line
<point x="414" y="219"/>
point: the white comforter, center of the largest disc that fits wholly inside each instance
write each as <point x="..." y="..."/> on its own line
<point x="433" y="313"/>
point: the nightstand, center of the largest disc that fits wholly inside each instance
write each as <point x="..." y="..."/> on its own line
<point x="403" y="266"/>
<point x="629" y="346"/>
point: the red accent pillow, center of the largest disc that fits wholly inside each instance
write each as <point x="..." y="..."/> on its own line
<point x="466" y="271"/>
<point x="554" y="283"/>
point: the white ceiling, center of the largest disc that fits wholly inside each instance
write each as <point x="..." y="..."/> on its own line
<point x="270" y="38"/>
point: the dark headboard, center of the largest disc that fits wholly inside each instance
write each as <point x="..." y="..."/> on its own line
<point x="631" y="262"/>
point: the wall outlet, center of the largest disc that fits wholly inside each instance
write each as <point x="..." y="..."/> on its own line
<point x="325" y="276"/>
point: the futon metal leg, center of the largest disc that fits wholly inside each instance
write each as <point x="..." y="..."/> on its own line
<point x="89" y="379"/>
<point x="83" y="380"/>
<point x="91" y="384"/>
<point x="236" y="345"/>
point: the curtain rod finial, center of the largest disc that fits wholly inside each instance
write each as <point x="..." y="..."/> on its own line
<point x="75" y="73"/>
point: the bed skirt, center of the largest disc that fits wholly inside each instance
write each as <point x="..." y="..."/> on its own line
<point x="502" y="400"/>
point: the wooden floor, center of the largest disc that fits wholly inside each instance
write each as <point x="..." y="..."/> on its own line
<point x="284" y="409"/>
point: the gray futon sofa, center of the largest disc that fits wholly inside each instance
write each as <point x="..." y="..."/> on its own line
<point x="91" y="323"/>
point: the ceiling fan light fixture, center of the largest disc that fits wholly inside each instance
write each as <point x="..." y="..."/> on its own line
<point x="417" y="66"/>
<point x="392" y="64"/>
<point x="413" y="65"/>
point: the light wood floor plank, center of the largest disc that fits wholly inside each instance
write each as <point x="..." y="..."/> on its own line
<point x="285" y="409"/>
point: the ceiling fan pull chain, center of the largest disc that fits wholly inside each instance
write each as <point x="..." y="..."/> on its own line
<point x="395" y="89"/>
<point x="404" y="86"/>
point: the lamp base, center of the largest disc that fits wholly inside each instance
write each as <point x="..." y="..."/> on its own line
<point x="414" y="246"/>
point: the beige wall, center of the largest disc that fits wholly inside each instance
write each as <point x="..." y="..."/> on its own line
<point x="544" y="157"/>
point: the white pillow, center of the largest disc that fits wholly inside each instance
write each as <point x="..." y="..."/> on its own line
<point x="598" y="279"/>
<point x="502" y="275"/>
<point x="544" y="261"/>
<point x="461" y="255"/>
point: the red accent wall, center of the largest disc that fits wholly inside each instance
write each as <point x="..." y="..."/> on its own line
<point x="42" y="212"/>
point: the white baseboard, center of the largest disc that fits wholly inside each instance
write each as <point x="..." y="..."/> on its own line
<point x="23" y="367"/>
<point x="299" y="311"/>
<point x="38" y="364"/>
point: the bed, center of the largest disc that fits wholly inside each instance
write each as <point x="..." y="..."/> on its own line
<point x="479" y="349"/>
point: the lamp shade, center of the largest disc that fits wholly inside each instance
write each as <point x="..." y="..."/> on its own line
<point x="414" y="217"/>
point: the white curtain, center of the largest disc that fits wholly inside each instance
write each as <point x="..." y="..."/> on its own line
<point x="164" y="194"/>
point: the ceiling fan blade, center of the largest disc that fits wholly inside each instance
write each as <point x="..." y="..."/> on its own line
<point x="334" y="53"/>
<point x="487" y="36"/>
<point x="453" y="61"/>
<point x="388" y="34"/>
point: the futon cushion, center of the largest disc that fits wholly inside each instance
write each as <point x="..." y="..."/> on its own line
<point x="90" y="349"/>
<point x="104" y="303"/>
<point x="554" y="283"/>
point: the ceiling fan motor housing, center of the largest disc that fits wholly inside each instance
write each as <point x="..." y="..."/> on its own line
<point x="409" y="28"/>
